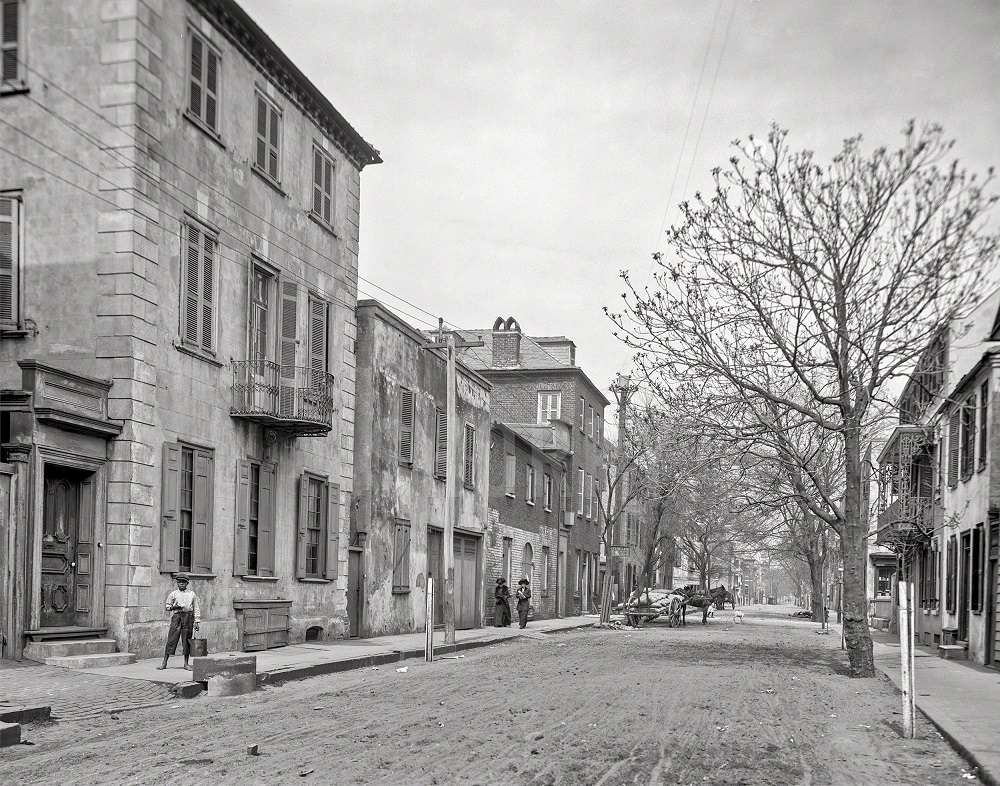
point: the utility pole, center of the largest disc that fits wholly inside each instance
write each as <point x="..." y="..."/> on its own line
<point x="453" y="447"/>
<point x="622" y="388"/>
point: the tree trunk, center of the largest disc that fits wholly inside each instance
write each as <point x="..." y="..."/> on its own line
<point x="816" y="583"/>
<point x="606" y="596"/>
<point x="854" y="550"/>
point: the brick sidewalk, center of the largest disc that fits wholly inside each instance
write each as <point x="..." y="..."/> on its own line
<point x="73" y="694"/>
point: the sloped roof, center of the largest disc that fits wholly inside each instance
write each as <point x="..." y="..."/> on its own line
<point x="532" y="356"/>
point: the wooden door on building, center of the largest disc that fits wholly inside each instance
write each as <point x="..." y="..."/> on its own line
<point x="466" y="551"/>
<point x="435" y="538"/>
<point x="964" y="586"/>
<point x="354" y="592"/>
<point x="67" y="569"/>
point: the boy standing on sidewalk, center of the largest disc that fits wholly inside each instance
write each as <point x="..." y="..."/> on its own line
<point x="186" y="619"/>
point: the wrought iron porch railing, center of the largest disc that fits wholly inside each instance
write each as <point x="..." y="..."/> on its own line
<point x="278" y="395"/>
<point x="905" y="519"/>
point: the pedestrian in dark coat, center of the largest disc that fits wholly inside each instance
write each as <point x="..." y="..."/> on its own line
<point x="501" y="617"/>
<point x="523" y="601"/>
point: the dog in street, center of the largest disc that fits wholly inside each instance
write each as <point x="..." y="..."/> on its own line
<point x="737" y="615"/>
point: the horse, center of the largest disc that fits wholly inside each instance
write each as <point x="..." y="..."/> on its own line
<point x="705" y="602"/>
<point x="727" y="597"/>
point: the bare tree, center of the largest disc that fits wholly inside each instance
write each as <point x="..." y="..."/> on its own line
<point x="811" y="287"/>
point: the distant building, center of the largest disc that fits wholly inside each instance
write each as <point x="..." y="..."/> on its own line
<point x="179" y="210"/>
<point x="401" y="463"/>
<point x="526" y="516"/>
<point x="939" y="484"/>
<point x="539" y="390"/>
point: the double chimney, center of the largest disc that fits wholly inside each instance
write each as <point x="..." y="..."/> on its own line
<point x="506" y="343"/>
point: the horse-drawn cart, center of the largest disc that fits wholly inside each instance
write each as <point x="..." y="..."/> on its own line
<point x="651" y="605"/>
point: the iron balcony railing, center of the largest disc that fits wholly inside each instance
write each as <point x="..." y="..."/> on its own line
<point x="907" y="518"/>
<point x="295" y="398"/>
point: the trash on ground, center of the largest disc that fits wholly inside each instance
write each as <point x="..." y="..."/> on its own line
<point x="252" y="750"/>
<point x="403" y="669"/>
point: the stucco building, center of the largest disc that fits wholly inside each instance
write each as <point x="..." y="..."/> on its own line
<point x="939" y="484"/>
<point x="539" y="390"/>
<point x="179" y="212"/>
<point x="401" y="465"/>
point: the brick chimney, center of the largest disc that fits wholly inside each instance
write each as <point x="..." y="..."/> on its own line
<point x="506" y="343"/>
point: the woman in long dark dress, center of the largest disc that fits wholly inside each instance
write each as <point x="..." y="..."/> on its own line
<point x="501" y="617"/>
<point x="523" y="602"/>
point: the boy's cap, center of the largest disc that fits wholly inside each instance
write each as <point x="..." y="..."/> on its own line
<point x="182" y="577"/>
<point x="524" y="581"/>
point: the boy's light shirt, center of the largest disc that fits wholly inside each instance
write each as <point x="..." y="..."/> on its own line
<point x="186" y="600"/>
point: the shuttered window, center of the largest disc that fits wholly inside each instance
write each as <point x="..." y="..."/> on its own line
<point x="267" y="138"/>
<point x="322" y="187"/>
<point x="582" y="414"/>
<point x="509" y="470"/>
<point x="198" y="288"/>
<point x="406" y="426"/>
<point x="187" y="502"/>
<point x="529" y="476"/>
<point x="10" y="35"/>
<point x="984" y="400"/>
<point x="581" y="481"/>
<point x="204" y="82"/>
<point x="589" y="496"/>
<point x="953" y="448"/>
<point x="318" y="548"/>
<point x="951" y="574"/>
<point x="549" y="406"/>
<point x="9" y="261"/>
<point x="590" y="421"/>
<point x="441" y="445"/>
<point x="286" y="348"/>
<point x="976" y="577"/>
<point x="401" y="557"/>
<point x="253" y="552"/>
<point x="318" y="333"/>
<point x="469" y="453"/>
<point x="968" y="438"/>
<point x="547" y="491"/>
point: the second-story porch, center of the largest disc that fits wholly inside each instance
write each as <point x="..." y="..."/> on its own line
<point x="291" y="400"/>
<point x="908" y="505"/>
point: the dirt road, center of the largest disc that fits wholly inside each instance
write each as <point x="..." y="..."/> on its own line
<point x="764" y="702"/>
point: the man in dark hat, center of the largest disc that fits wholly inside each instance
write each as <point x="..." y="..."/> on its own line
<point x="501" y="617"/>
<point x="184" y="620"/>
<point x="523" y="601"/>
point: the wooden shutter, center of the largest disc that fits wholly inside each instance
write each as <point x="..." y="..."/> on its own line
<point x="266" y="514"/>
<point x="241" y="541"/>
<point x="286" y="359"/>
<point x="198" y="311"/>
<point x="300" y="548"/>
<point x="9" y="67"/>
<point x="318" y="311"/>
<point x="441" y="445"/>
<point x="268" y="120"/>
<point x="211" y="88"/>
<point x="470" y="454"/>
<point x="953" y="448"/>
<point x="9" y="263"/>
<point x="332" y="562"/>
<point x="201" y="537"/>
<point x="406" y="426"/>
<point x="581" y="481"/>
<point x="170" y="532"/>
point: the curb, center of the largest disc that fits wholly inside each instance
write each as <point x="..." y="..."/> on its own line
<point x="25" y="714"/>
<point x="292" y="673"/>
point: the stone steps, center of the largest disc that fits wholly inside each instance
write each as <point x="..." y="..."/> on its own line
<point x="952" y="652"/>
<point x="95" y="661"/>
<point x="41" y="650"/>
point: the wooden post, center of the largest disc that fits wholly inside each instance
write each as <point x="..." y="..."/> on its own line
<point x="451" y="495"/>
<point x="429" y="622"/>
<point x="906" y="658"/>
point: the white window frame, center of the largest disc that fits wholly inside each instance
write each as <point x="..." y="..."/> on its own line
<point x="581" y="480"/>
<point x="549" y="405"/>
<point x="510" y="474"/>
<point x="547" y="492"/>
<point x="529" y="476"/>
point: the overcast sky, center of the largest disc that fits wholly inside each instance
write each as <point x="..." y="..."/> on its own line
<point x="532" y="150"/>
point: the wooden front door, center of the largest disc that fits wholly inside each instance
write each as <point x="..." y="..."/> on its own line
<point x="466" y="583"/>
<point x="354" y="592"/>
<point x="965" y="579"/>
<point x="435" y="570"/>
<point x="67" y="568"/>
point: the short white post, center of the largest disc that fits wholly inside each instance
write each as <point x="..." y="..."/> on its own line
<point x="906" y="658"/>
<point x="429" y="622"/>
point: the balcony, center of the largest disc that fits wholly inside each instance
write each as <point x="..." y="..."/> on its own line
<point x="292" y="401"/>
<point x="907" y="521"/>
